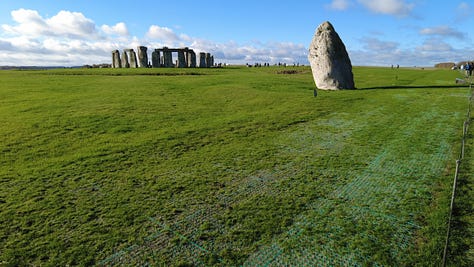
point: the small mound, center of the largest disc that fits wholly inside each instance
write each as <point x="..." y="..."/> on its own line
<point x="288" y="72"/>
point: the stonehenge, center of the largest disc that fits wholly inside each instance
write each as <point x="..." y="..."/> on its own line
<point x="161" y="57"/>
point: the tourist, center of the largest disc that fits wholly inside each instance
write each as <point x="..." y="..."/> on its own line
<point x="468" y="70"/>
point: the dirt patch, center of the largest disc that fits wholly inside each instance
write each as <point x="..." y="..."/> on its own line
<point x="289" y="71"/>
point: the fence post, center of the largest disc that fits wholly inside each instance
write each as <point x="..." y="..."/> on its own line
<point x="456" y="174"/>
<point x="445" y="253"/>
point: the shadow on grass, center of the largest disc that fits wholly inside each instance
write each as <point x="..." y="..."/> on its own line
<point x="414" y="87"/>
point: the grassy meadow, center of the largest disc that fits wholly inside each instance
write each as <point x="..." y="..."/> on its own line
<point x="230" y="167"/>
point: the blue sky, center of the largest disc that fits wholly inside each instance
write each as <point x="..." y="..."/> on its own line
<point x="376" y="32"/>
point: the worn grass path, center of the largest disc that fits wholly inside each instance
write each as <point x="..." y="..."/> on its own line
<point x="230" y="166"/>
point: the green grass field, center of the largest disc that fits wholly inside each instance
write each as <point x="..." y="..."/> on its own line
<point x="229" y="167"/>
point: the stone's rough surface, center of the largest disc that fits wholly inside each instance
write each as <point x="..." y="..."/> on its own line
<point x="202" y="60"/>
<point x="155" y="59"/>
<point x="191" y="59"/>
<point x="167" y="58"/>
<point x="208" y="60"/>
<point x="142" y="57"/>
<point x="125" y="63"/>
<point x="116" y="63"/>
<point x="133" y="58"/>
<point x="330" y="63"/>
<point x="181" y="59"/>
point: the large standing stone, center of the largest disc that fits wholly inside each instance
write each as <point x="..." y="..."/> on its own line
<point x="191" y="59"/>
<point x="133" y="58"/>
<point x="208" y="60"/>
<point x="202" y="60"/>
<point x="125" y="63"/>
<point x="155" y="59"/>
<point x="116" y="63"/>
<point x="142" y="57"/>
<point x="167" y="58"/>
<point x="181" y="59"/>
<point x="330" y="63"/>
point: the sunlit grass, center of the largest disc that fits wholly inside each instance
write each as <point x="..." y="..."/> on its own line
<point x="225" y="167"/>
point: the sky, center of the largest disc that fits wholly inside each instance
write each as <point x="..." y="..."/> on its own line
<point x="375" y="32"/>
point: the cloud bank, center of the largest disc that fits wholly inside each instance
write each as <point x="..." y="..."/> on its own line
<point x="398" y="8"/>
<point x="443" y="31"/>
<point x="72" y="39"/>
<point x="339" y="4"/>
<point x="389" y="7"/>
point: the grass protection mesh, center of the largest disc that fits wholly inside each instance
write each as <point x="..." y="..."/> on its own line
<point x="191" y="238"/>
<point x="369" y="219"/>
<point x="371" y="212"/>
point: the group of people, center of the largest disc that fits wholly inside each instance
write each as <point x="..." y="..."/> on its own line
<point x="469" y="67"/>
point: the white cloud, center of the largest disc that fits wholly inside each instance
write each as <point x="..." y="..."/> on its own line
<point x="235" y="53"/>
<point x="433" y="50"/>
<point x="29" y="23"/>
<point x="71" y="25"/>
<point x="185" y="37"/>
<point x="64" y="24"/>
<point x="436" y="50"/>
<point x="444" y="31"/>
<point x="70" y="38"/>
<point x="24" y="43"/>
<point x="376" y="52"/>
<point x="463" y="11"/>
<point x="164" y="34"/>
<point x="339" y="4"/>
<point x="378" y="46"/>
<point x="118" y="29"/>
<point x="389" y="7"/>
<point x="67" y="38"/>
<point x="435" y="45"/>
<point x="463" y="6"/>
<point x="6" y="46"/>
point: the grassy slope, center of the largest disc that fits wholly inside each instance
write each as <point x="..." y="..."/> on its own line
<point x="237" y="166"/>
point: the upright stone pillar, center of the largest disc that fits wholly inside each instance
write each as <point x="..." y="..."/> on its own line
<point x="155" y="59"/>
<point x="167" y="58"/>
<point x="191" y="59"/>
<point x="212" y="61"/>
<point x="125" y="63"/>
<point x="202" y="60"/>
<point x="142" y="57"/>
<point x="116" y="63"/>
<point x="208" y="60"/>
<point x="330" y="62"/>
<point x="181" y="59"/>
<point x="133" y="59"/>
